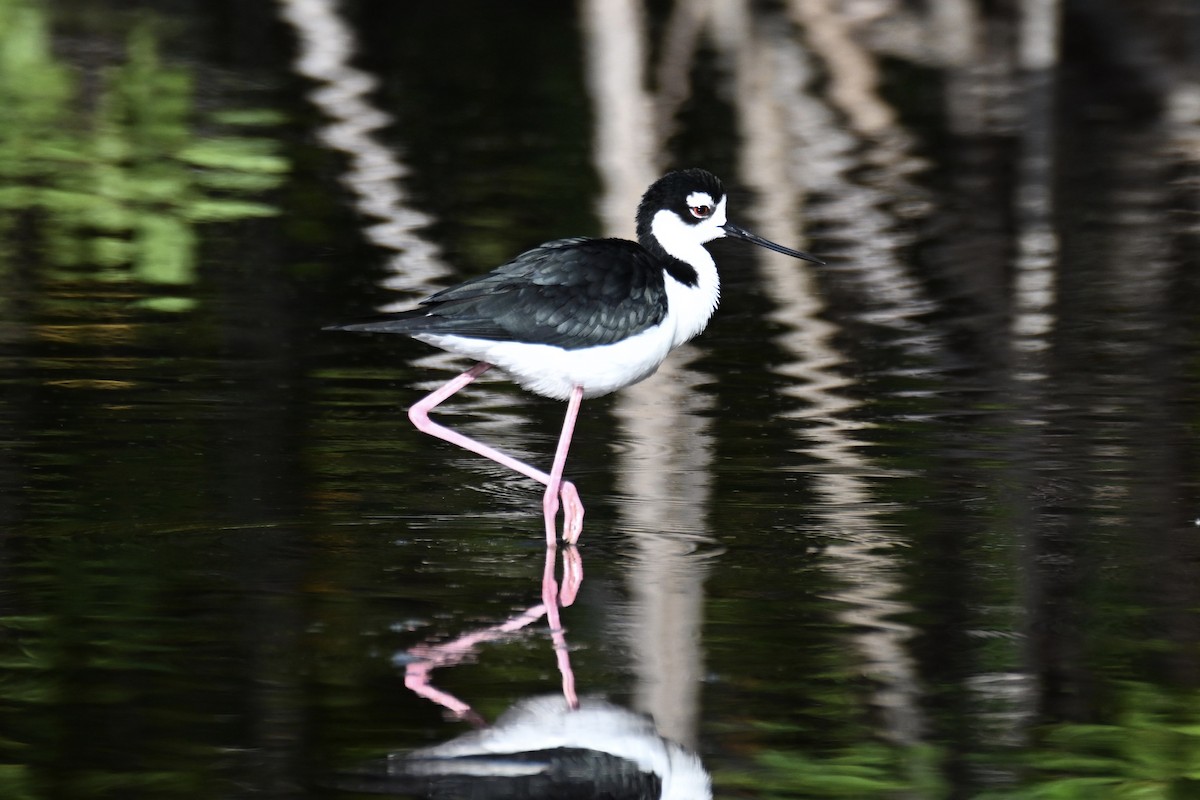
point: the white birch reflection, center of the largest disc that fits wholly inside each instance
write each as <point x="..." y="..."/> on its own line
<point x="664" y="473"/>
<point x="327" y="44"/>
<point x="774" y="97"/>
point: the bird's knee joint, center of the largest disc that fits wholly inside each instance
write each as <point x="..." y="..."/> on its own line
<point x="418" y="415"/>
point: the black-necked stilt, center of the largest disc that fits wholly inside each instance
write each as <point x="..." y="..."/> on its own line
<point x="576" y="318"/>
<point x="544" y="748"/>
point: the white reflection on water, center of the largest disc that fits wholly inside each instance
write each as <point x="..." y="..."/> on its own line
<point x="781" y="121"/>
<point x="665" y="470"/>
<point x="326" y="46"/>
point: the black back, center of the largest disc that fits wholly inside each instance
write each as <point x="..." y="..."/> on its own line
<point x="571" y="293"/>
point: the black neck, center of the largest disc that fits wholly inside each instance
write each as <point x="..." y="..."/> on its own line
<point x="681" y="271"/>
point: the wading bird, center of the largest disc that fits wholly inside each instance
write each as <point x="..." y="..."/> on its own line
<point x="576" y="318"/>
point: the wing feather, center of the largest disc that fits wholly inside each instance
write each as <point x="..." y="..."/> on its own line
<point x="571" y="293"/>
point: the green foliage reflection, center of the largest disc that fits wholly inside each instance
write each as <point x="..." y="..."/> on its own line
<point x="15" y="783"/>
<point x="1151" y="750"/>
<point x="116" y="193"/>
<point x="862" y="770"/>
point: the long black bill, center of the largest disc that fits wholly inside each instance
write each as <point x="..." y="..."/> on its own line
<point x="741" y="233"/>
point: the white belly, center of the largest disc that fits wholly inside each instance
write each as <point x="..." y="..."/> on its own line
<point x="554" y="372"/>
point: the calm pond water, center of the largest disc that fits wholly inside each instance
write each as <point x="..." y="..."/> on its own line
<point x="918" y="524"/>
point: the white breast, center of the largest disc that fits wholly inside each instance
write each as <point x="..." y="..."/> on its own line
<point x="689" y="308"/>
<point x="553" y="372"/>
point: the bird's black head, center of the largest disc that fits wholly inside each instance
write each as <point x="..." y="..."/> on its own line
<point x="693" y="195"/>
<point x="684" y="210"/>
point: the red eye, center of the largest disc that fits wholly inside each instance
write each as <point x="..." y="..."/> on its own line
<point x="701" y="212"/>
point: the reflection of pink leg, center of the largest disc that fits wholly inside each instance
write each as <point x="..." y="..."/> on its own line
<point x="555" y="485"/>
<point x="431" y="656"/>
<point x="557" y="635"/>
<point x="416" y="678"/>
<point x="428" y="657"/>
<point x="572" y="575"/>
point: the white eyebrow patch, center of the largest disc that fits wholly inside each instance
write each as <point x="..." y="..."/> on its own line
<point x="699" y="199"/>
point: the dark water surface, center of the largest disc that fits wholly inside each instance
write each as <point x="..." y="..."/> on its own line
<point x="918" y="524"/>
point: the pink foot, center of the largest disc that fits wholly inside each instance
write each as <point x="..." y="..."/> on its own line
<point x="572" y="512"/>
<point x="572" y="508"/>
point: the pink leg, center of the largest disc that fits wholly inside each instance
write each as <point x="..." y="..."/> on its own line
<point x="555" y="486"/>
<point x="572" y="508"/>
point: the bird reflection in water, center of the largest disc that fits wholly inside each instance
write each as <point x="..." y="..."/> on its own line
<point x="543" y="748"/>
<point x="551" y="746"/>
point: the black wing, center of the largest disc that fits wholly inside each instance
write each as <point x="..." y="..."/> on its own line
<point x="572" y="293"/>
